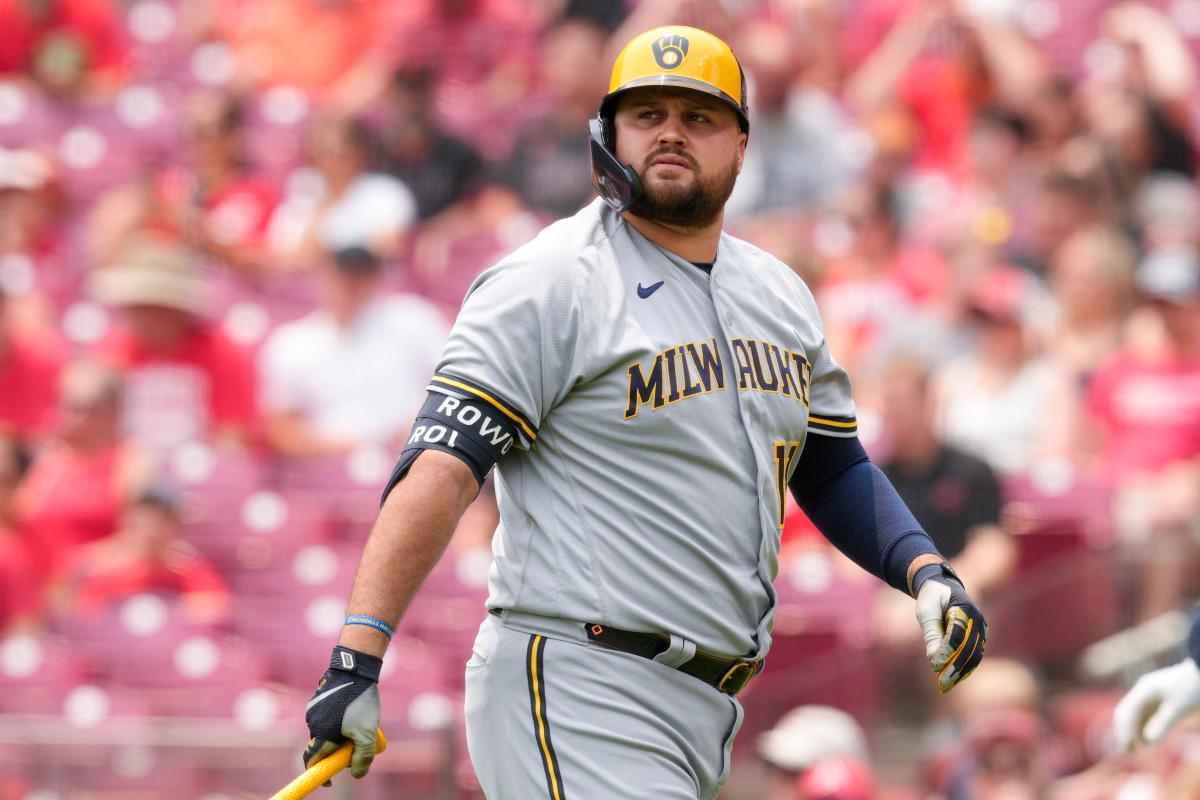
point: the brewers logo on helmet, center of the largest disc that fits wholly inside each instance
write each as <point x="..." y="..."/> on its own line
<point x="675" y="55"/>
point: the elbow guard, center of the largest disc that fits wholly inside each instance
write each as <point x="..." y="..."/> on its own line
<point x="467" y="428"/>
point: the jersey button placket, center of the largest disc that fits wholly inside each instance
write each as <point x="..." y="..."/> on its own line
<point x="757" y="438"/>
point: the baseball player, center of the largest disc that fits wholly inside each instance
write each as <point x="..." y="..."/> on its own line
<point x="1160" y="699"/>
<point x="648" y="388"/>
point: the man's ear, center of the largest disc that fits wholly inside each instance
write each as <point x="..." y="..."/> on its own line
<point x="742" y="139"/>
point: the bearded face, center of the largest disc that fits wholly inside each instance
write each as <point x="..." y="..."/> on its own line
<point x="687" y="148"/>
<point x="692" y="201"/>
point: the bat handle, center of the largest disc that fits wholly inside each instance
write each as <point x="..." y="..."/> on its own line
<point x="323" y="770"/>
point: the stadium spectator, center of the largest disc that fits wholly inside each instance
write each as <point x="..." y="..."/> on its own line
<point x="144" y="554"/>
<point x="20" y="599"/>
<point x="343" y="375"/>
<point x="1002" y="401"/>
<point x="1053" y="117"/>
<point x="1144" y="402"/>
<point x="213" y="200"/>
<point x="323" y="47"/>
<point x="955" y="496"/>
<point x="441" y="170"/>
<point x="1142" y="109"/>
<point x="1061" y="205"/>
<point x="940" y="65"/>
<point x="29" y="366"/>
<point x="74" y="491"/>
<point x="805" y="151"/>
<point x="339" y="202"/>
<point x="837" y="779"/>
<point x="1092" y="284"/>
<point x="997" y="742"/>
<point x="185" y="380"/>
<point x="1005" y="759"/>
<point x="881" y="281"/>
<point x="482" y="54"/>
<point x="550" y="167"/>
<point x="70" y="48"/>
<point x="33" y="230"/>
<point x="988" y="206"/>
<point x="1167" y="212"/>
<point x="814" y="750"/>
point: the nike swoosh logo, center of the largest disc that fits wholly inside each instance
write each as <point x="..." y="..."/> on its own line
<point x="646" y="291"/>
<point x="323" y="695"/>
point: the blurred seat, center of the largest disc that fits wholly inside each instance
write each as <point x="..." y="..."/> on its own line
<point x="1065" y="598"/>
<point x="824" y="664"/>
<point x="294" y="611"/>
<point x="262" y="531"/>
<point x="117" y="772"/>
<point x="219" y="476"/>
<point x="346" y="488"/>
<point x="121" y="642"/>
<point x="1056" y="494"/>
<point x="38" y="672"/>
<point x="446" y="612"/>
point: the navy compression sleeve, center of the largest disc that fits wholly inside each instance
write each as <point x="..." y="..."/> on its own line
<point x="1193" y="641"/>
<point x="857" y="509"/>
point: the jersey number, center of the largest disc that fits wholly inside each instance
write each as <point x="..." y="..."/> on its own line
<point x="785" y="454"/>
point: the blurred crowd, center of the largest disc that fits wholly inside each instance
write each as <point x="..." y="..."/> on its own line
<point x="233" y="235"/>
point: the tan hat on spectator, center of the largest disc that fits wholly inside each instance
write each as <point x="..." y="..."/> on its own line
<point x="153" y="274"/>
<point x="809" y="734"/>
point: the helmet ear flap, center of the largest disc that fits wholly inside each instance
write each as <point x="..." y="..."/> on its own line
<point x="616" y="183"/>
<point x="609" y="133"/>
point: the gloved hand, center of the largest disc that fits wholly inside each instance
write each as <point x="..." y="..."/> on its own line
<point x="1156" y="702"/>
<point x="954" y="628"/>
<point x="345" y="706"/>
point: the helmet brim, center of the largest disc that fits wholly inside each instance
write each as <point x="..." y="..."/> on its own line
<point x="608" y="104"/>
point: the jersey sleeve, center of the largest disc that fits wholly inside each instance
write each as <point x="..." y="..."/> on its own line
<point x="831" y="409"/>
<point x="516" y="342"/>
<point x="831" y="402"/>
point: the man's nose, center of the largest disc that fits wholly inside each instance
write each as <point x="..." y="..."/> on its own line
<point x="671" y="131"/>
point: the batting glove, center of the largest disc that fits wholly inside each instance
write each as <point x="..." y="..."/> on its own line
<point x="1156" y="702"/>
<point x="954" y="628"/>
<point x="345" y="706"/>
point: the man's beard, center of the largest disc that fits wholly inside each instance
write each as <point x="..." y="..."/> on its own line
<point x="695" y="206"/>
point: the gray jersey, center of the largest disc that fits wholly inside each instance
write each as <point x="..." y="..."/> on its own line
<point x="661" y="412"/>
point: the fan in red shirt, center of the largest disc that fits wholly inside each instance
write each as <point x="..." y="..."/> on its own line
<point x="144" y="555"/>
<point x="1145" y="404"/>
<point x="938" y="65"/>
<point x="214" y="202"/>
<point x="74" y="492"/>
<point x="66" y="45"/>
<point x="1146" y="400"/>
<point x="184" y="380"/>
<point x="29" y="368"/>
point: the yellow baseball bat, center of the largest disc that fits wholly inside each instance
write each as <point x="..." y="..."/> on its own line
<point x="323" y="770"/>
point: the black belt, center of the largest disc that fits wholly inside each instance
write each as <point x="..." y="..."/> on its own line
<point x="726" y="676"/>
<point x="729" y="677"/>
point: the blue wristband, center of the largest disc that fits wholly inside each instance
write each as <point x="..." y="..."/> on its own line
<point x="371" y="622"/>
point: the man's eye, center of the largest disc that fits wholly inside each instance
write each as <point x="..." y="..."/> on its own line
<point x="648" y="114"/>
<point x="698" y="117"/>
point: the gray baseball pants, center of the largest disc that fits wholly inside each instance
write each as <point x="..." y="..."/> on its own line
<point x="552" y="715"/>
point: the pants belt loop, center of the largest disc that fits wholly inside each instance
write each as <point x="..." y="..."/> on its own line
<point x="680" y="651"/>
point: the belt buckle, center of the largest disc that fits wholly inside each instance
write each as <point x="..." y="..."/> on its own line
<point x="737" y="677"/>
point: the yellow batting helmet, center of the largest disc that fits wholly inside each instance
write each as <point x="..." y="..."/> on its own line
<point x="677" y="55"/>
